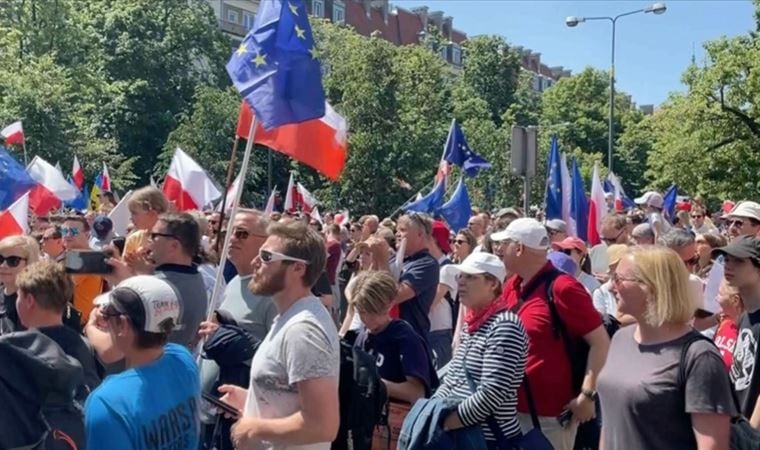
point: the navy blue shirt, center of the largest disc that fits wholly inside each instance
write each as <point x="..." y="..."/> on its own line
<point x="421" y="272"/>
<point x="400" y="353"/>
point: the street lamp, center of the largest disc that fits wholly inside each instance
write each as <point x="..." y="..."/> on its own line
<point x="573" y="21"/>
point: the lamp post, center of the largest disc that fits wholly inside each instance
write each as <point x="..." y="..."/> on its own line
<point x="572" y="21"/>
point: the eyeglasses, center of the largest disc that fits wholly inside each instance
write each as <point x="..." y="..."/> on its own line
<point x="615" y="278"/>
<point x="696" y="216"/>
<point x="458" y="241"/>
<point x="735" y="223"/>
<point x="153" y="236"/>
<point x="11" y="261"/>
<point x="269" y="256"/>
<point x="613" y="240"/>
<point x="242" y="235"/>
<point x="73" y="232"/>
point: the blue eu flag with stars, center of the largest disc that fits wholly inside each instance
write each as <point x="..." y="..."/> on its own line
<point x="275" y="68"/>
<point x="14" y="181"/>
<point x="554" y="183"/>
<point x="459" y="153"/>
<point x="457" y="210"/>
<point x="430" y="202"/>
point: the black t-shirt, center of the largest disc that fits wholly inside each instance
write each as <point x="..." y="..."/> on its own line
<point x="744" y="370"/>
<point x="322" y="286"/>
<point x="75" y="345"/>
<point x="400" y="353"/>
<point x="9" y="321"/>
<point x="421" y="272"/>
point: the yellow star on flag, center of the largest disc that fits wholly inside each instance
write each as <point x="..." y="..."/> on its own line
<point x="260" y="60"/>
<point x="242" y="50"/>
<point x="293" y="8"/>
<point x="300" y="32"/>
<point x="313" y="53"/>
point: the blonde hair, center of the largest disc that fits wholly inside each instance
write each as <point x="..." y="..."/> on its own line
<point x="666" y="279"/>
<point x="49" y="283"/>
<point x="148" y="199"/>
<point x="372" y="292"/>
<point x="30" y="249"/>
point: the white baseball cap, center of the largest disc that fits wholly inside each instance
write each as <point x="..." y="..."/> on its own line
<point x="148" y="301"/>
<point x="650" y="198"/>
<point x="529" y="232"/>
<point x="477" y="263"/>
<point x="557" y="225"/>
<point x="746" y="209"/>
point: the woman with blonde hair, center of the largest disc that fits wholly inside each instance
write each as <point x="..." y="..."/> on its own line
<point x="644" y="379"/>
<point x="16" y="252"/>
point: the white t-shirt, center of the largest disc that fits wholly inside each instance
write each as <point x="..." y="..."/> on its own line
<point x="589" y="282"/>
<point x="440" y="314"/>
<point x="704" y="229"/>
<point x="604" y="300"/>
<point x="301" y="345"/>
<point x="659" y="224"/>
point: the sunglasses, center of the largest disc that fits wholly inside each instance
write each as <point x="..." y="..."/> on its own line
<point x="696" y="216"/>
<point x="153" y="236"/>
<point x="458" y="241"/>
<point x="735" y="223"/>
<point x="11" y="261"/>
<point x="73" y="232"/>
<point x="613" y="240"/>
<point x="269" y="256"/>
<point x="242" y="235"/>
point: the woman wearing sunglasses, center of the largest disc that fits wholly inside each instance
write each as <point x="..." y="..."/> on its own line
<point x="16" y="252"/>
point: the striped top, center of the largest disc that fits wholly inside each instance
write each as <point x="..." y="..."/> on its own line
<point x="495" y="355"/>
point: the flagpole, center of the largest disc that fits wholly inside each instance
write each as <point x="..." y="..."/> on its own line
<point x="411" y="198"/>
<point x="269" y="172"/>
<point x="230" y="168"/>
<point x="23" y="146"/>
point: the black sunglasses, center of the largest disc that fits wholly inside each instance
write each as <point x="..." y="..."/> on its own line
<point x="612" y="240"/>
<point x="11" y="261"/>
<point x="153" y="236"/>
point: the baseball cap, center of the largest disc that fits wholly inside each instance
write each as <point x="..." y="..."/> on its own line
<point x="441" y="236"/>
<point x="563" y="262"/>
<point x="529" y="232"/>
<point x="556" y="225"/>
<point x="102" y="225"/>
<point x="477" y="263"/>
<point x="745" y="247"/>
<point x="507" y="212"/>
<point x="147" y="301"/>
<point x="746" y="209"/>
<point x="615" y="253"/>
<point x="650" y="198"/>
<point x="570" y="243"/>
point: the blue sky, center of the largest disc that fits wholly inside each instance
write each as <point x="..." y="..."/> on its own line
<point x="652" y="51"/>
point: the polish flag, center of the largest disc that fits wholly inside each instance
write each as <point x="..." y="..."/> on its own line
<point x="318" y="143"/>
<point x="597" y="208"/>
<point x="105" y="184"/>
<point x="231" y="195"/>
<point x="290" y="196"/>
<point x="269" y="209"/>
<point x="51" y="190"/>
<point x="342" y="218"/>
<point x="307" y="201"/>
<point x="13" y="221"/>
<point x="13" y="133"/>
<point x="77" y="174"/>
<point x="315" y="215"/>
<point x="187" y="185"/>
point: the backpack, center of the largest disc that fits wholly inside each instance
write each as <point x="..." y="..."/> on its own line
<point x="65" y="424"/>
<point x="363" y="399"/>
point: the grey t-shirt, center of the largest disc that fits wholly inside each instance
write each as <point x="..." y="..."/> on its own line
<point x="642" y="405"/>
<point x="301" y="345"/>
<point x="192" y="299"/>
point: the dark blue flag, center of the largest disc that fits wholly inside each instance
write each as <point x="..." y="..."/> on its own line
<point x="459" y="153"/>
<point x="457" y="210"/>
<point x="14" y="181"/>
<point x="579" y="204"/>
<point x="275" y="69"/>
<point x="669" y="202"/>
<point x="554" y="182"/>
<point x="431" y="202"/>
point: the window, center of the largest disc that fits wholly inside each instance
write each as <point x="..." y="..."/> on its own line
<point x="456" y="55"/>
<point x="444" y="52"/>
<point x="232" y="16"/>
<point x="248" y="20"/>
<point x="536" y="82"/>
<point x="318" y="8"/>
<point x="339" y="14"/>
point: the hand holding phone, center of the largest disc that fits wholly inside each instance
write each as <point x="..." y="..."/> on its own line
<point x="225" y="408"/>
<point x="86" y="261"/>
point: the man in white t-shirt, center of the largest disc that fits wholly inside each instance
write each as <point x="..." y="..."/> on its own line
<point x="292" y="400"/>
<point x="652" y="203"/>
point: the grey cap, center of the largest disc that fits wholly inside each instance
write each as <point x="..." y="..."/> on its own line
<point x="507" y="212"/>
<point x="556" y="225"/>
<point x="643" y="230"/>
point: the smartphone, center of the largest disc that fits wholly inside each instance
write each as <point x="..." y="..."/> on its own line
<point x="86" y="261"/>
<point x="119" y="242"/>
<point x="564" y="418"/>
<point x="223" y="407"/>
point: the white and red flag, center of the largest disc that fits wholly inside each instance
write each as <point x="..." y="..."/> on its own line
<point x="187" y="185"/>
<point x="51" y="190"/>
<point x="597" y="208"/>
<point x="269" y="209"/>
<point x="105" y="183"/>
<point x="13" y="133"/>
<point x="231" y="196"/>
<point x="14" y="220"/>
<point x="77" y="174"/>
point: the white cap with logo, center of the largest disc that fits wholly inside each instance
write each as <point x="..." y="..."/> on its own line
<point x="158" y="302"/>
<point x="477" y="263"/>
<point x="528" y="232"/>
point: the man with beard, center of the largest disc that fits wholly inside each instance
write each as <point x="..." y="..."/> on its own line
<point x="292" y="399"/>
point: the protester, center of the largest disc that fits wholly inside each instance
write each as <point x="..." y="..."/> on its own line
<point x="52" y="243"/>
<point x="403" y="359"/>
<point x="642" y="234"/>
<point x="463" y="244"/>
<point x="683" y="243"/>
<point x="75" y="230"/>
<point x="522" y="247"/>
<point x="490" y="361"/>
<point x="639" y="385"/>
<point x="576" y="249"/>
<point x="292" y="399"/>
<point x="16" y="253"/>
<point x="477" y="227"/>
<point x="744" y="220"/>
<point x="441" y="313"/>
<point x="742" y="271"/>
<point x="604" y="298"/>
<point x="700" y="223"/>
<point x="154" y="403"/>
<point x="145" y="206"/>
<point x="102" y="233"/>
<point x="45" y="292"/>
<point x="107" y="202"/>
<point x="557" y="230"/>
<point x="706" y="243"/>
<point x="370" y="225"/>
<point x="652" y="202"/>
<point x="614" y="229"/>
<point x="727" y="329"/>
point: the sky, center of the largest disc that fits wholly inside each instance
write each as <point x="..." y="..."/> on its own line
<point x="651" y="51"/>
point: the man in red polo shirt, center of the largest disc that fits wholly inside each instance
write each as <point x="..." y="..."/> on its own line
<point x="522" y="246"/>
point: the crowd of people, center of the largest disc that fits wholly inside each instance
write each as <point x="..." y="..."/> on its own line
<point x="510" y="333"/>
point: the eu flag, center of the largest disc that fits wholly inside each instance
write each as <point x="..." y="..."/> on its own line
<point x="579" y="204"/>
<point x="457" y="210"/>
<point x="431" y="202"/>
<point x="554" y="183"/>
<point x="275" y="69"/>
<point x="669" y="200"/>
<point x="458" y="152"/>
<point x="14" y="181"/>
